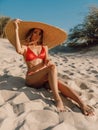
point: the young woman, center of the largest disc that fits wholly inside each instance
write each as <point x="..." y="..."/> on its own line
<point x="42" y="70"/>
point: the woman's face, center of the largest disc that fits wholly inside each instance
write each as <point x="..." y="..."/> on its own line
<point x="36" y="35"/>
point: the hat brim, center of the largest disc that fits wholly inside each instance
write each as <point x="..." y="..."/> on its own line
<point x="53" y="36"/>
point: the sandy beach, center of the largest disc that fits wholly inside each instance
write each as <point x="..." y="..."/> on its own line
<point x="25" y="108"/>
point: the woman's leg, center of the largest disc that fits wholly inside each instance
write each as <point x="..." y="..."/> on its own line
<point x="68" y="92"/>
<point x="50" y="74"/>
<point x="53" y="82"/>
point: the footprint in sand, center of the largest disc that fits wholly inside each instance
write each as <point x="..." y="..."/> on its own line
<point x="94" y="71"/>
<point x="83" y="86"/>
<point x="65" y="60"/>
<point x="96" y="76"/>
<point x="96" y="105"/>
<point x="6" y="71"/>
<point x="91" y="67"/>
<point x="72" y="63"/>
<point x="56" y="63"/>
<point x="63" y="76"/>
<point x="90" y="62"/>
<point x="61" y="63"/>
<point x="90" y="96"/>
<point x="72" y="66"/>
<point x="71" y="74"/>
<point x="82" y="73"/>
<point x="18" y="108"/>
<point x="88" y="69"/>
<point x="66" y="71"/>
<point x="93" y="81"/>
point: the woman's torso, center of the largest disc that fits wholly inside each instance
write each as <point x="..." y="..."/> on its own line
<point x="34" y="57"/>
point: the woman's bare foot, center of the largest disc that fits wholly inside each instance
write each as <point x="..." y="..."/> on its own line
<point x="60" y="106"/>
<point x="88" y="110"/>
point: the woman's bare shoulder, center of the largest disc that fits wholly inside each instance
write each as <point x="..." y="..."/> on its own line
<point x="45" y="46"/>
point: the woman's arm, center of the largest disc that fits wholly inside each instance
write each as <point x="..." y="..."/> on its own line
<point x="19" y="48"/>
<point x="47" y="55"/>
<point x="47" y="59"/>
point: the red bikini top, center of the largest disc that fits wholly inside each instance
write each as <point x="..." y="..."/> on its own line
<point x="30" y="55"/>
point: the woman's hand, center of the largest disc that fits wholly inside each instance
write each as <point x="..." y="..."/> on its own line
<point x="16" y="22"/>
<point x="47" y="62"/>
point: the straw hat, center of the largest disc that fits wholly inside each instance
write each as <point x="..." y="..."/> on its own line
<point x="53" y="36"/>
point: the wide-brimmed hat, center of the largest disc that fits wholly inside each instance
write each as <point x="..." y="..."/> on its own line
<point x="53" y="36"/>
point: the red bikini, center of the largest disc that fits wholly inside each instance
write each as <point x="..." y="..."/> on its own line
<point x="30" y="55"/>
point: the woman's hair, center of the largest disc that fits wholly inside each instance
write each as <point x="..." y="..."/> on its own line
<point x="30" y="33"/>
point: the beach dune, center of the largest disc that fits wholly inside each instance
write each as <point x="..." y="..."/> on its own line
<point x="25" y="108"/>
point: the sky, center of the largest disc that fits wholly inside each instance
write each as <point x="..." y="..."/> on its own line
<point x="64" y="14"/>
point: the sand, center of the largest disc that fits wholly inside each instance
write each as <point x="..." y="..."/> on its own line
<point x="25" y="108"/>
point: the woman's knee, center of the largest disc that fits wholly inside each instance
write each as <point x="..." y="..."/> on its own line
<point x="52" y="66"/>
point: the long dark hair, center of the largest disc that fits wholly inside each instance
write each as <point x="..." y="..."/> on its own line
<point x="30" y="33"/>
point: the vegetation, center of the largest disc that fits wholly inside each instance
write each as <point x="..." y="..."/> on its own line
<point x="3" y="22"/>
<point x="85" y="34"/>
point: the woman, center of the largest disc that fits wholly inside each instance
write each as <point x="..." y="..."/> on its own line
<point x="42" y="70"/>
